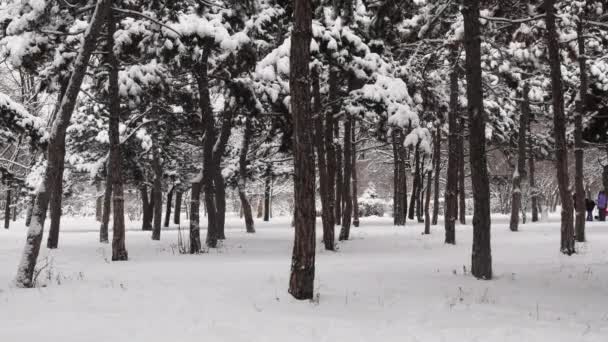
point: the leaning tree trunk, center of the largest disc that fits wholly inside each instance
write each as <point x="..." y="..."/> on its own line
<point x="355" y="181"/>
<point x="29" y="210"/>
<point x="157" y="193"/>
<point x="520" y="170"/>
<point x="55" y="211"/>
<point x="437" y="172"/>
<point x="56" y="147"/>
<point x="462" y="194"/>
<point x="242" y="183"/>
<point x="168" y="206"/>
<point x="7" y="209"/>
<point x="451" y="188"/>
<point x="178" y="207"/>
<point x="578" y="138"/>
<point x="107" y="205"/>
<point x="482" y="255"/>
<point x="195" y="230"/>
<point x="346" y="193"/>
<point x="301" y="282"/>
<point x="559" y="128"/>
<point x="119" y="250"/>
<point x="327" y="216"/>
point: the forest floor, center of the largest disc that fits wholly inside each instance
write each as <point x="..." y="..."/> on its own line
<point x="385" y="284"/>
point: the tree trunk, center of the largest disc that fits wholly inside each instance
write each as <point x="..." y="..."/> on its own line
<point x="462" y="194"/>
<point x="333" y="85"/>
<point x="578" y="139"/>
<point x="419" y="195"/>
<point x="437" y="173"/>
<point x="98" y="201"/>
<point x="157" y="192"/>
<point x="242" y="184"/>
<point x="55" y="212"/>
<point x="346" y="193"/>
<point x="56" y="147"/>
<point x="178" y="207"/>
<point x="267" y="181"/>
<point x="559" y="123"/>
<point x="482" y="256"/>
<point x="7" y="209"/>
<point x="147" y="208"/>
<point x="168" y="206"/>
<point x="412" y="209"/>
<point x="301" y="282"/>
<point x="107" y="205"/>
<point x="219" y="149"/>
<point x="260" y="208"/>
<point x="220" y="204"/>
<point x="15" y="204"/>
<point x="399" y="180"/>
<point x="354" y="174"/>
<point x="119" y="250"/>
<point x="30" y="209"/>
<point x="339" y="177"/>
<point x="533" y="189"/>
<point x="520" y="169"/>
<point x="327" y="215"/>
<point x="451" y="188"/>
<point x="195" y="230"/>
<point x="427" y="203"/>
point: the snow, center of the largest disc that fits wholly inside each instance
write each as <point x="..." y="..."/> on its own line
<point x="386" y="284"/>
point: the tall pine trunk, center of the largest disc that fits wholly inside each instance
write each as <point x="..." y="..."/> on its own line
<point x="578" y="138"/>
<point x="462" y="194"/>
<point x="55" y="211"/>
<point x="333" y="85"/>
<point x="354" y="176"/>
<point x="451" y="188"/>
<point x="437" y="173"/>
<point x="301" y="282"/>
<point x="346" y="193"/>
<point x="532" y="182"/>
<point x="327" y="216"/>
<point x="195" y="230"/>
<point x="56" y="147"/>
<point x="559" y="128"/>
<point x="168" y="206"/>
<point x="107" y="207"/>
<point x="427" y="203"/>
<point x="339" y="177"/>
<point x="267" y="184"/>
<point x="98" y="200"/>
<point x="157" y="192"/>
<point x="242" y="183"/>
<point x="178" y="207"/>
<point x="415" y="185"/>
<point x="481" y="258"/>
<point x="520" y="170"/>
<point x="7" y="209"/>
<point x="119" y="250"/>
<point x="147" y="208"/>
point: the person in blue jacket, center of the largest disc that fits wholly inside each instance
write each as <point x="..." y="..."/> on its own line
<point x="601" y="205"/>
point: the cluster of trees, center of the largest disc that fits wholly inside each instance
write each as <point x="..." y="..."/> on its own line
<point x="194" y="97"/>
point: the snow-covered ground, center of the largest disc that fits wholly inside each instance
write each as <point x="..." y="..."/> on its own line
<point x="386" y="284"/>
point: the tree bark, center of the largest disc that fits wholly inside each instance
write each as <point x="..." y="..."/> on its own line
<point x="520" y="169"/>
<point x="195" y="230"/>
<point x="178" y="207"/>
<point x="413" y="197"/>
<point x="107" y="205"/>
<point x="437" y="173"/>
<point x="399" y="186"/>
<point x="327" y="216"/>
<point x="56" y="147"/>
<point x="578" y="139"/>
<point x="301" y="282"/>
<point x="267" y="182"/>
<point x="533" y="189"/>
<point x="168" y="206"/>
<point x="482" y="256"/>
<point x="7" y="209"/>
<point x="346" y="193"/>
<point x="55" y="212"/>
<point x="119" y="250"/>
<point x="29" y="210"/>
<point x="462" y="194"/>
<point x="218" y="179"/>
<point x="147" y="208"/>
<point x="157" y="192"/>
<point x="98" y="201"/>
<point x="427" y="203"/>
<point x="242" y="184"/>
<point x="333" y="85"/>
<point x="451" y="188"/>
<point x="339" y="177"/>
<point x="355" y="195"/>
<point x="559" y="125"/>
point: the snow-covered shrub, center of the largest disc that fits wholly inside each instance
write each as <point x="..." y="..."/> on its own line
<point x="370" y="204"/>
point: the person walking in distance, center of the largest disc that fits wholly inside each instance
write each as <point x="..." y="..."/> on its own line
<point x="601" y="205"/>
<point x="589" y="205"/>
